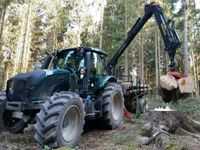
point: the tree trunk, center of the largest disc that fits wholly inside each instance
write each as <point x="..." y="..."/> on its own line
<point x="161" y="125"/>
<point x="156" y="57"/>
<point x="5" y="76"/>
<point x="28" y="40"/>
<point x="24" y="43"/>
<point x="1" y="8"/>
<point x="101" y="25"/>
<point x="185" y="49"/>
<point x="126" y="52"/>
<point x="197" y="57"/>
<point x="2" y="24"/>
<point x="79" y="35"/>
<point x="166" y="63"/>
<point x="141" y="52"/>
<point x="196" y="20"/>
<point x="159" y="56"/>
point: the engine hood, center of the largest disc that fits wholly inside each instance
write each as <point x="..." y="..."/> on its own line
<point x="35" y="77"/>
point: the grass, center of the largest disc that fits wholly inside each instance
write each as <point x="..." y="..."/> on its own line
<point x="125" y="139"/>
<point x="189" y="106"/>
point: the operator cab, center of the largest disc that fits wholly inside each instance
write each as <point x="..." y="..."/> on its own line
<point x="87" y="64"/>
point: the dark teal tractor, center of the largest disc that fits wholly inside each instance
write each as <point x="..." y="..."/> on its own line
<point x="72" y="86"/>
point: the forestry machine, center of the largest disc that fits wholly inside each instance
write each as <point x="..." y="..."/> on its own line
<point x="74" y="85"/>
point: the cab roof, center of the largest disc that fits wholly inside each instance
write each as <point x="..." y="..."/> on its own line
<point x="96" y="50"/>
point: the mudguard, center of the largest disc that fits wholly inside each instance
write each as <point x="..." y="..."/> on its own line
<point x="104" y="80"/>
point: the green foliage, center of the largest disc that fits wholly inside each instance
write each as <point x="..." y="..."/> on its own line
<point x="190" y="105"/>
<point x="66" y="148"/>
<point x="119" y="139"/>
<point x="113" y="31"/>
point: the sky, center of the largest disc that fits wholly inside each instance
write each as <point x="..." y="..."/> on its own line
<point x="94" y="10"/>
<point x="178" y="5"/>
<point x="198" y="3"/>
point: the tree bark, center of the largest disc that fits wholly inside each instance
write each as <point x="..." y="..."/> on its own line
<point x="24" y="43"/>
<point x="2" y="23"/>
<point x="196" y="20"/>
<point x="185" y="49"/>
<point x="159" y="56"/>
<point x="126" y="52"/>
<point x="28" y="40"/>
<point x="156" y="57"/>
<point x="194" y="70"/>
<point x="141" y="52"/>
<point x="101" y="25"/>
<point x="161" y="125"/>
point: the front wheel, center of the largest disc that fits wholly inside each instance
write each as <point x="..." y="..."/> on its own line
<point x="113" y="105"/>
<point x="60" y="121"/>
<point x="7" y="122"/>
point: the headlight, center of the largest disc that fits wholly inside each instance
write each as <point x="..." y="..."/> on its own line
<point x="11" y="87"/>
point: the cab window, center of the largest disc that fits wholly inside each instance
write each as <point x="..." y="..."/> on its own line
<point x="97" y="64"/>
<point x="69" y="60"/>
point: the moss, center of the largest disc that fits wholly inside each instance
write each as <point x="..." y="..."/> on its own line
<point x="170" y="145"/>
<point x="66" y="148"/>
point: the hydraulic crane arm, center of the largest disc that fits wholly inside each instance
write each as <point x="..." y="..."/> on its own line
<point x="170" y="37"/>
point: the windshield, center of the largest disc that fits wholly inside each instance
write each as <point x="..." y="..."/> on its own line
<point x="69" y="59"/>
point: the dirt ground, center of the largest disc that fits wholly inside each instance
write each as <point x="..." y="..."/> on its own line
<point x="124" y="138"/>
<point x="94" y="138"/>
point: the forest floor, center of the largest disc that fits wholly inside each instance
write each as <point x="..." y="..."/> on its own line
<point x="124" y="138"/>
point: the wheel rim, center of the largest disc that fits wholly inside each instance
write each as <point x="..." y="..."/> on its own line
<point x="71" y="123"/>
<point x="117" y="106"/>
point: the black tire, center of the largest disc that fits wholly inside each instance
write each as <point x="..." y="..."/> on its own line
<point x="7" y="123"/>
<point x="112" y="106"/>
<point x="52" y="116"/>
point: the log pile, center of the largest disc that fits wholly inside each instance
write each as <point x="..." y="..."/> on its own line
<point x="161" y="125"/>
<point x="175" y="86"/>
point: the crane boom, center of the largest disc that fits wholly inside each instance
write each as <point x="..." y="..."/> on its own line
<point x="169" y="35"/>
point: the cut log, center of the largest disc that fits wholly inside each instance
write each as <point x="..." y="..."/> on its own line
<point x="168" y="82"/>
<point x="172" y="88"/>
<point x="161" y="125"/>
<point x="167" y="86"/>
<point x="186" y="85"/>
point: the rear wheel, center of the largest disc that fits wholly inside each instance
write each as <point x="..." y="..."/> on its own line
<point x="7" y="122"/>
<point x="113" y="105"/>
<point x="60" y="120"/>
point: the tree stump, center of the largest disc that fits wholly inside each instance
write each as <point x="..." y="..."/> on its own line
<point x="160" y="125"/>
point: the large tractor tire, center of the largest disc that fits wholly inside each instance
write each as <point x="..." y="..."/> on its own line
<point x="7" y="122"/>
<point x="60" y="121"/>
<point x="112" y="106"/>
